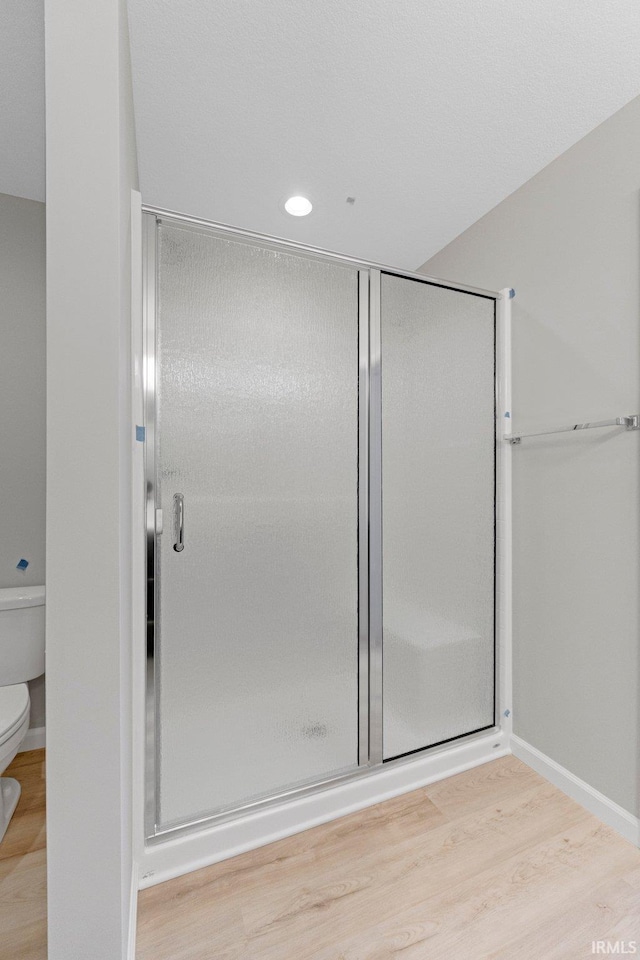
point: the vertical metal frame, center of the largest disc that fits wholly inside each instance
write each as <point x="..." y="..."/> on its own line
<point x="149" y="290"/>
<point x="375" y="522"/>
<point x="363" y="517"/>
<point x="504" y="523"/>
<point x="370" y="599"/>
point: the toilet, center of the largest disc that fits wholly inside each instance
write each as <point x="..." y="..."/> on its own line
<point x="21" y="659"/>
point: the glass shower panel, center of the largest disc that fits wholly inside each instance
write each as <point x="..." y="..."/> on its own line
<point x="438" y="500"/>
<point x="257" y="432"/>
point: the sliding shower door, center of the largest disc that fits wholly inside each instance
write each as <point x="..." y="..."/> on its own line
<point x="438" y="498"/>
<point x="256" y="545"/>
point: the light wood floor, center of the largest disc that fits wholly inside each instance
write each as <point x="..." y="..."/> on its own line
<point x="23" y="878"/>
<point x="493" y="864"/>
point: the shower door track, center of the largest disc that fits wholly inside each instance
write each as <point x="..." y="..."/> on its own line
<point x="370" y="748"/>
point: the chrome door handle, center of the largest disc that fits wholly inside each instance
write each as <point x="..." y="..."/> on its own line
<point x="178" y="522"/>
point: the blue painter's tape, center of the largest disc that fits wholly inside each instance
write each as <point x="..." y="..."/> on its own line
<point x="22" y="564"/>
<point x="512" y="293"/>
<point x="140" y="433"/>
<point x="507" y="414"/>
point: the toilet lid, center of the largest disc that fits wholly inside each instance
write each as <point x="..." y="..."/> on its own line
<point x="14" y="704"/>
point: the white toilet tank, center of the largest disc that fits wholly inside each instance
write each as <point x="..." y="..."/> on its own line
<point x="21" y="634"/>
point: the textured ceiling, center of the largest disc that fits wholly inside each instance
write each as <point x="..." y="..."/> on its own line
<point x="22" y="98"/>
<point x="428" y="112"/>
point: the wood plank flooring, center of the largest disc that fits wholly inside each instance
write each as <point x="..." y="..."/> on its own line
<point x="23" y="876"/>
<point x="493" y="864"/>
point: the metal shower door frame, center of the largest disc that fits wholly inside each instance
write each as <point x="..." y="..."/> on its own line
<point x="370" y="640"/>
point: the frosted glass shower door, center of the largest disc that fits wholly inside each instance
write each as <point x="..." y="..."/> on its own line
<point x="256" y="626"/>
<point x="438" y="501"/>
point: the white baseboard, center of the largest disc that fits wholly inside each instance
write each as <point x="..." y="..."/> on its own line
<point x="592" y="800"/>
<point x="164" y="860"/>
<point x="34" y="740"/>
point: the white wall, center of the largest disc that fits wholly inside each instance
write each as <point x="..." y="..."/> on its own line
<point x="569" y="242"/>
<point x="91" y="169"/>
<point x="22" y="401"/>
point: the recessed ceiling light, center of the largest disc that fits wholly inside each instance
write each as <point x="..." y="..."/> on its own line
<point x="298" y="206"/>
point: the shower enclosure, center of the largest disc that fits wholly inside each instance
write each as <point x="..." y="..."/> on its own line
<point x="320" y="512"/>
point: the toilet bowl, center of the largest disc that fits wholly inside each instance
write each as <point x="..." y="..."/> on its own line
<point x="14" y="723"/>
<point x="21" y="659"/>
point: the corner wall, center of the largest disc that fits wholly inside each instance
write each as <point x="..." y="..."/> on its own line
<point x="91" y="171"/>
<point x="22" y="401"/>
<point x="569" y="242"/>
